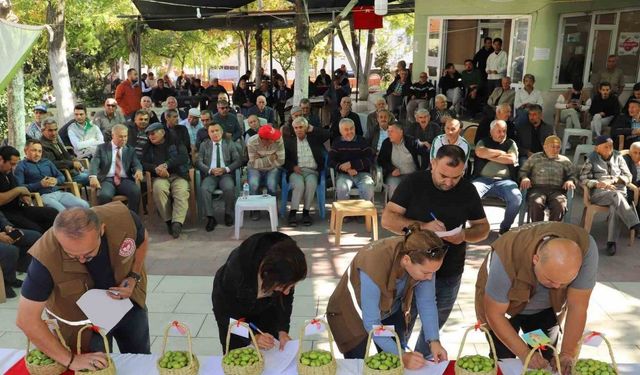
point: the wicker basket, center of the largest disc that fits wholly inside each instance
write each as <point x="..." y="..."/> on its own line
<point x="494" y="371"/>
<point x="394" y="371"/>
<point x="330" y="368"/>
<point x="525" y="368"/>
<point x="254" y="369"/>
<point x="613" y="360"/>
<point x="111" y="368"/>
<point x="54" y="368"/>
<point x="192" y="368"/>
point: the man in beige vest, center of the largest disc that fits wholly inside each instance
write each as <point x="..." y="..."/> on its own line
<point x="534" y="276"/>
<point x="99" y="248"/>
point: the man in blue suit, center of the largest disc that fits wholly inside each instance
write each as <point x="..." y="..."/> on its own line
<point x="115" y="168"/>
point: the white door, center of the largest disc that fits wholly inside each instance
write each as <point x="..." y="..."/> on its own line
<point x="518" y="49"/>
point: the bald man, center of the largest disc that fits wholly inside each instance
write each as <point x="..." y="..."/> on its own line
<point x="536" y="276"/>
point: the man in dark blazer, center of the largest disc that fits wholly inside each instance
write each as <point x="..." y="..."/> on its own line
<point x="217" y="162"/>
<point x="633" y="162"/>
<point x="55" y="151"/>
<point x="398" y="157"/>
<point x="304" y="162"/>
<point x="113" y="177"/>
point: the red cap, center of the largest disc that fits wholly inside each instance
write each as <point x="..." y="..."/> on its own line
<point x="269" y="132"/>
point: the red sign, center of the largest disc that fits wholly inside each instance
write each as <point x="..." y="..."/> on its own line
<point x="630" y="44"/>
<point x="364" y="18"/>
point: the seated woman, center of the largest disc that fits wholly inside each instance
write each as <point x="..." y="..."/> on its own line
<point x="257" y="284"/>
<point x="385" y="277"/>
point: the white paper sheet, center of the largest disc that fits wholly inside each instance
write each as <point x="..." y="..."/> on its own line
<point x="451" y="232"/>
<point x="102" y="310"/>
<point x="276" y="361"/>
<point x="431" y="368"/>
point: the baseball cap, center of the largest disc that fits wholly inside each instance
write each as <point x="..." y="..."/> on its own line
<point x="602" y="139"/>
<point x="194" y="112"/>
<point x="40" y="107"/>
<point x="269" y="132"/>
<point x="153" y="127"/>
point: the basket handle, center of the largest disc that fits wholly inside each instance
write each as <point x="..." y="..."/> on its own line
<point x="57" y="332"/>
<point x="613" y="360"/>
<point x="530" y="355"/>
<point x="104" y="340"/>
<point x="302" y="335"/>
<point x="370" y="339"/>
<point x="489" y="338"/>
<point x="166" y="337"/>
<point x="253" y="338"/>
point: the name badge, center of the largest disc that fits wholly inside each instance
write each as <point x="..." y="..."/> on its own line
<point x="127" y="248"/>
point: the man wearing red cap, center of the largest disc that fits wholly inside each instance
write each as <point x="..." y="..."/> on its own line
<point x="266" y="155"/>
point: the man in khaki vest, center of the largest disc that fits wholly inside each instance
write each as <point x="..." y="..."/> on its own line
<point x="534" y="276"/>
<point x="99" y="248"/>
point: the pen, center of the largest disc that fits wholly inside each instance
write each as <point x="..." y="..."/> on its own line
<point x="433" y="216"/>
<point x="253" y="327"/>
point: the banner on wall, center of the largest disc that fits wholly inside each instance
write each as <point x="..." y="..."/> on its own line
<point x="628" y="44"/>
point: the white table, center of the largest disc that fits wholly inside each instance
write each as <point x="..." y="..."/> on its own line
<point x="137" y="364"/>
<point x="256" y="203"/>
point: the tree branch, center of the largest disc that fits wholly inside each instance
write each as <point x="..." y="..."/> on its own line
<point x="346" y="49"/>
<point x="345" y="12"/>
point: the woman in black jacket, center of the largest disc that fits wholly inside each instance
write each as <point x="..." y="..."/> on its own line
<point x="257" y="284"/>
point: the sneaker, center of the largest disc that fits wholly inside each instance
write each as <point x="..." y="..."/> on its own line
<point x="611" y="248"/>
<point x="255" y="215"/>
<point x="211" y="224"/>
<point x="16" y="284"/>
<point x="176" y="229"/>
<point x="306" y="218"/>
<point x="292" y="219"/>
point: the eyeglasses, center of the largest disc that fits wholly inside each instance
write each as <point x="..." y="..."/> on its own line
<point x="436" y="252"/>
<point x="87" y="257"/>
<point x="111" y="105"/>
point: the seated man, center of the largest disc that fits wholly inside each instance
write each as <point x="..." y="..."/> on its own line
<point x="41" y="176"/>
<point x="266" y="156"/>
<point x="525" y="98"/>
<point x="261" y="110"/>
<point x="398" y="157"/>
<point x="628" y="124"/>
<point x="440" y="113"/>
<point x="312" y="118"/>
<point x="147" y="105"/>
<point x="531" y="134"/>
<point x="635" y="95"/>
<point x="352" y="158"/>
<point x="424" y="131"/>
<point x="178" y="132"/>
<point x="172" y="103"/>
<point x="58" y="154"/>
<point x="116" y="168"/>
<point x="254" y="124"/>
<point x="106" y="118"/>
<point x="531" y="279"/>
<point x="13" y="253"/>
<point x="333" y="96"/>
<point x="633" y="163"/>
<point x="304" y="162"/>
<point x="606" y="174"/>
<point x="503" y="94"/>
<point x="229" y="121"/>
<point x="217" y="162"/>
<point x="168" y="163"/>
<point x="83" y="135"/>
<point x="495" y="172"/>
<point x="213" y="93"/>
<point x="344" y="112"/>
<point x="503" y="112"/>
<point x="451" y="85"/>
<point x="193" y="125"/>
<point x="34" y="130"/>
<point x="137" y="137"/>
<point x="451" y="136"/>
<point x="604" y="108"/>
<point x="572" y="104"/>
<point x="548" y="176"/>
<point x="419" y="95"/>
<point x="377" y="135"/>
<point x="397" y="91"/>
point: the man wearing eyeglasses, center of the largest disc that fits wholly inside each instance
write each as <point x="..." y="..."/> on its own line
<point x="99" y="248"/>
<point x="536" y="276"/>
<point x="108" y="117"/>
<point x="232" y="129"/>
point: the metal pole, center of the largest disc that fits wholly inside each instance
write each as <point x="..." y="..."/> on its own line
<point x="333" y="45"/>
<point x="271" y="55"/>
<point x="358" y="65"/>
<point x="139" y="46"/>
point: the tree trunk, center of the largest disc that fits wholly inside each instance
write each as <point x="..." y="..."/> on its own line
<point x="133" y="60"/>
<point x="58" y="62"/>
<point x="363" y="76"/>
<point x="363" y="85"/>
<point x="16" y="112"/>
<point x="258" y="77"/>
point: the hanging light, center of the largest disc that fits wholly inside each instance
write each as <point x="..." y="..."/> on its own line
<point x="381" y="7"/>
<point x="198" y="14"/>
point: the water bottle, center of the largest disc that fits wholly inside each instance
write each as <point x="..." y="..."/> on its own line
<point x="245" y="190"/>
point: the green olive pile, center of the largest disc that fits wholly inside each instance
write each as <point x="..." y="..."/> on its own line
<point x="315" y="358"/>
<point x="538" y="372"/>
<point x="383" y="361"/>
<point x="593" y="367"/>
<point x="476" y="363"/>
<point x="241" y="357"/>
<point x="38" y="358"/>
<point x="174" y="360"/>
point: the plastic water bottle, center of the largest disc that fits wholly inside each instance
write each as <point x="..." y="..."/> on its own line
<point x="245" y="190"/>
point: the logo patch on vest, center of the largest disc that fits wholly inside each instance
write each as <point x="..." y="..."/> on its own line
<point x="127" y="248"/>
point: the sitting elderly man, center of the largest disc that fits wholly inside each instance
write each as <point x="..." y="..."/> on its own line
<point x="424" y="131"/>
<point x="372" y="118"/>
<point x="217" y="162"/>
<point x="193" y="125"/>
<point x="633" y="163"/>
<point x="532" y="133"/>
<point x="55" y="151"/>
<point x="452" y="136"/>
<point x="116" y="168"/>
<point x="172" y="103"/>
<point x="440" y="113"/>
<point x="378" y="134"/>
<point x="352" y="157"/>
<point x="627" y="125"/>
<point x="261" y="110"/>
<point x="266" y="156"/>
<point x="108" y="117"/>
<point x="137" y="136"/>
<point x="147" y="104"/>
<point x="312" y="118"/>
<point x="398" y="157"/>
<point x="344" y="112"/>
<point x="304" y="162"/>
<point x="495" y="171"/>
<point x="168" y="163"/>
<point x="548" y="176"/>
<point x="606" y="174"/>
<point x="229" y="121"/>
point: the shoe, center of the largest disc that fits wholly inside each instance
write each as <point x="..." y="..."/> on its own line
<point x="636" y="230"/>
<point x="306" y="218"/>
<point x="228" y="220"/>
<point x="176" y="229"/>
<point x="255" y="215"/>
<point x="502" y="231"/>
<point x="292" y="219"/>
<point x="16" y="284"/>
<point x="9" y="293"/>
<point x="168" y="223"/>
<point x="211" y="224"/>
<point x="611" y="248"/>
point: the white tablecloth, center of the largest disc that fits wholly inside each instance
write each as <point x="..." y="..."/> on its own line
<point x="136" y="364"/>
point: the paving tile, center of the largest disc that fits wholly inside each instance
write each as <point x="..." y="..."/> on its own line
<point x="209" y="328"/>
<point x="182" y="284"/>
<point x="195" y="303"/>
<point x="159" y="321"/>
<point x="10" y="304"/>
<point x="153" y="281"/>
<point x="13" y="340"/>
<point x="8" y="321"/>
<point x="163" y="302"/>
<point x="305" y="306"/>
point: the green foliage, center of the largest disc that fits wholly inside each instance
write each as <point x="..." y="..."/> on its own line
<point x="381" y="60"/>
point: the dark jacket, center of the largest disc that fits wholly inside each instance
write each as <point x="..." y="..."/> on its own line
<point x="480" y="60"/>
<point x="240" y="97"/>
<point x="357" y="152"/>
<point x="424" y="91"/>
<point x="406" y="86"/>
<point x="622" y="126"/>
<point x="30" y="174"/>
<point x="447" y="82"/>
<point x="101" y="161"/>
<point x="180" y="134"/>
<point x="228" y="150"/>
<point x="316" y="140"/>
<point x="384" y="156"/>
<point x="170" y="152"/>
<point x="335" y="123"/>
<point x="58" y="154"/>
<point x="610" y="106"/>
<point x="635" y="175"/>
<point x="525" y="133"/>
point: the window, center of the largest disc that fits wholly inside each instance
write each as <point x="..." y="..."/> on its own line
<point x="627" y="45"/>
<point x="574" y="40"/>
<point x="520" y="37"/>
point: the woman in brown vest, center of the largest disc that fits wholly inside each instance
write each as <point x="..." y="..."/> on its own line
<point x="378" y="288"/>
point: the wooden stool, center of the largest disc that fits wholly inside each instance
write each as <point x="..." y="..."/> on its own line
<point x="355" y="207"/>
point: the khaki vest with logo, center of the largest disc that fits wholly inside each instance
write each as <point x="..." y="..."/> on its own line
<point x="71" y="278"/>
<point x="516" y="249"/>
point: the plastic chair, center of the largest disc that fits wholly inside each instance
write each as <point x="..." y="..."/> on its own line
<point x="524" y="207"/>
<point x="575" y="133"/>
<point x="321" y="190"/>
<point x="590" y="209"/>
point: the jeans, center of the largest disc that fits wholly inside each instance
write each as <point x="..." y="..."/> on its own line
<point x="303" y="185"/>
<point x="446" y="294"/>
<point x="507" y="190"/>
<point x="14" y="257"/>
<point x="82" y="178"/>
<point x="131" y="333"/>
<point x="60" y="200"/>
<point x="522" y="117"/>
<point x="396" y="320"/>
<point x="454" y="96"/>
<point x="259" y="178"/>
<point x="362" y="181"/>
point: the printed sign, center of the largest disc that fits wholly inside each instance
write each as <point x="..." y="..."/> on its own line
<point x="593" y="338"/>
<point x="383" y="331"/>
<point x="536" y="338"/>
<point x="314" y="327"/>
<point x="238" y="328"/>
<point x="628" y="44"/>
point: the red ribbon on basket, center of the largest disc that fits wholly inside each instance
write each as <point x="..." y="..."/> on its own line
<point x="239" y="321"/>
<point x="316" y="323"/>
<point x="477" y="325"/>
<point x="592" y="335"/>
<point x="380" y="329"/>
<point x="95" y="329"/>
<point x="179" y="327"/>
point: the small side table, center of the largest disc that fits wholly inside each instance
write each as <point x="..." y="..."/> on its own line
<point x="255" y="203"/>
<point x="353" y="207"/>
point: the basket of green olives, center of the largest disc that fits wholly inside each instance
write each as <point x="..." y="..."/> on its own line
<point x="178" y="362"/>
<point x="111" y="368"/>
<point x="383" y="363"/>
<point x="242" y="361"/>
<point x="38" y="363"/>
<point x="591" y="366"/>
<point x="476" y="364"/>
<point x="527" y="371"/>
<point x="317" y="362"/>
